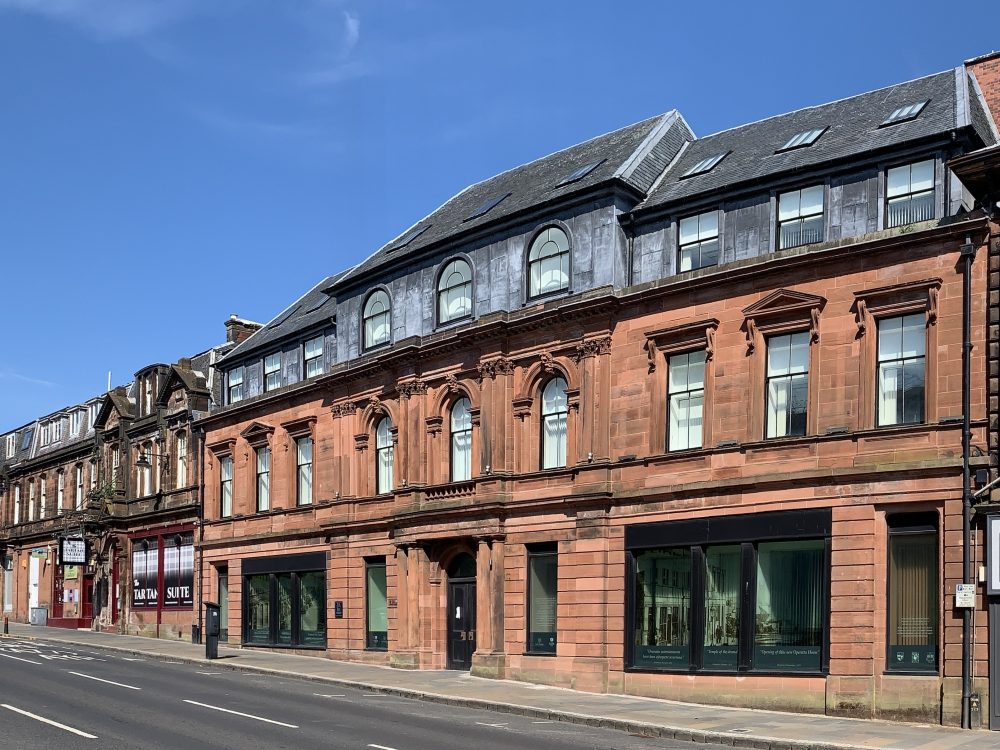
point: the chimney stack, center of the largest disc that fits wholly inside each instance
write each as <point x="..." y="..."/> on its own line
<point x="238" y="330"/>
<point x="986" y="69"/>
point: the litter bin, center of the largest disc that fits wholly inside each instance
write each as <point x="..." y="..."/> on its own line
<point x="213" y="627"/>
<point x="38" y="616"/>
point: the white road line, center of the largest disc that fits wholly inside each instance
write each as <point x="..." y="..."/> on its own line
<point x="208" y="673"/>
<point x="237" y="713"/>
<point x="484" y="724"/>
<point x="18" y="658"/>
<point x="329" y="695"/>
<point x="109" y="682"/>
<point x="382" y="747"/>
<point x="125" y="658"/>
<point x="48" y="721"/>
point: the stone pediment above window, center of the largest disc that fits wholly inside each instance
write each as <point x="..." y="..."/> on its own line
<point x="222" y="447"/>
<point x="897" y="299"/>
<point x="299" y="427"/>
<point x="687" y="336"/>
<point x="782" y="311"/>
<point x="257" y="433"/>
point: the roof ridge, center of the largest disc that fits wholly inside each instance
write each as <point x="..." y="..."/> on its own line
<point x="825" y="104"/>
<point x="640" y="152"/>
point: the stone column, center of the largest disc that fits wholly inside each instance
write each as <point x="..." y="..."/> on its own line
<point x="489" y="659"/>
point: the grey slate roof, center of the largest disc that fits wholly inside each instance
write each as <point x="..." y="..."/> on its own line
<point x="312" y="309"/>
<point x="630" y="155"/>
<point x="853" y="130"/>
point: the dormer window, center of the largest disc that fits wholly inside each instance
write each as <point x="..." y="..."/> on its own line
<point x="95" y="408"/>
<point x="705" y="165"/>
<point x="699" y="241"/>
<point x="272" y="371"/>
<point x="57" y="431"/>
<point x="11" y="444"/>
<point x="314" y="356"/>
<point x="147" y="394"/>
<point x="377" y="320"/>
<point x="909" y="194"/>
<point x="235" y="385"/>
<point x="75" y="422"/>
<point x="800" y="217"/>
<point x="455" y="292"/>
<point x="548" y="263"/>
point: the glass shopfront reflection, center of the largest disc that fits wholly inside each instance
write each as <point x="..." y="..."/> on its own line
<point x="284" y="606"/>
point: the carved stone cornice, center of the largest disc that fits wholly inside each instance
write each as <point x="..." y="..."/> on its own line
<point x="346" y="409"/>
<point x="897" y="299"/>
<point x="685" y="337"/>
<point x="451" y="383"/>
<point x="434" y="425"/>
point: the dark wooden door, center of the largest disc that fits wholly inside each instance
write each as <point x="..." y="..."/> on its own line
<point x="461" y="623"/>
<point x="87" y="610"/>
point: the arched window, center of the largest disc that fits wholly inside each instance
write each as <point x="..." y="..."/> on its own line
<point x="555" y="407"/>
<point x="383" y="456"/>
<point x="461" y="441"/>
<point x="377" y="320"/>
<point x="455" y="292"/>
<point x="548" y="263"/>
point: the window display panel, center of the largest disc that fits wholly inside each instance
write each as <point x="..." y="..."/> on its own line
<point x="722" y="607"/>
<point x="790" y="606"/>
<point x="913" y="601"/>
<point x="663" y="609"/>
<point x="377" y="615"/>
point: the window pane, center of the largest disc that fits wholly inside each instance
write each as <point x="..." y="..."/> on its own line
<point x="722" y="607"/>
<point x="543" y="584"/>
<point x="377" y="613"/>
<point x="913" y="601"/>
<point x="709" y="254"/>
<point x="778" y="353"/>
<point x="662" y="609"/>
<point x="284" y="581"/>
<point x="258" y="625"/>
<point x="788" y="205"/>
<point x="913" y="391"/>
<point x="812" y="201"/>
<point x="922" y="176"/>
<point x="314" y="347"/>
<point x="898" y="181"/>
<point x="312" y="609"/>
<point x="708" y="225"/>
<point x="790" y="603"/>
<point x="689" y="230"/>
<point x="890" y="339"/>
<point x="914" y="335"/>
<point x="554" y="441"/>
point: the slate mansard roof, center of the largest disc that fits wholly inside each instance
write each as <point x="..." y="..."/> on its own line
<point x="633" y="156"/>
<point x="853" y="128"/>
<point x="649" y="159"/>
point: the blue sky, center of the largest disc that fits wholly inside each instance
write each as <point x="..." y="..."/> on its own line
<point x="164" y="163"/>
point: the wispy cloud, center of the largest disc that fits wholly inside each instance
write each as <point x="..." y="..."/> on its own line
<point x="352" y="33"/>
<point x="303" y="137"/>
<point x="7" y="373"/>
<point x="339" y="35"/>
<point x="107" y="18"/>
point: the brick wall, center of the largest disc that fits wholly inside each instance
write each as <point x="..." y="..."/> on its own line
<point x="987" y="72"/>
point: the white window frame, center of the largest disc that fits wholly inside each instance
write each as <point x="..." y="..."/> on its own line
<point x="554" y="423"/>
<point x="262" y="457"/>
<point x="901" y="358"/>
<point x="17" y="504"/>
<point x="234" y="385"/>
<point x="303" y="471"/>
<point x="376" y="320"/>
<point x="79" y="488"/>
<point x="312" y="366"/>
<point x="272" y="366"/>
<point x="11" y="445"/>
<point x="782" y="377"/>
<point x="789" y="215"/>
<point x="460" y="423"/>
<point x="910" y="194"/>
<point x="454" y="292"/>
<point x="686" y="400"/>
<point x="549" y="256"/>
<point x="702" y="230"/>
<point x="384" y="457"/>
<point x="60" y="492"/>
<point x="181" y="460"/>
<point x="226" y="486"/>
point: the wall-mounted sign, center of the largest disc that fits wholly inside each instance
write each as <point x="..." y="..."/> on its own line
<point x="40" y="553"/>
<point x="338" y="610"/>
<point x="965" y="595"/>
<point x="72" y="551"/>
<point x="993" y="555"/>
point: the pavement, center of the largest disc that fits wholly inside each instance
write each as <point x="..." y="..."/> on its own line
<point x="62" y="696"/>
<point x="645" y="717"/>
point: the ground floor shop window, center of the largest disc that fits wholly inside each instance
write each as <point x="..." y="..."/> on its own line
<point x="730" y="594"/>
<point x="285" y="601"/>
<point x="543" y="586"/>
<point x="913" y="593"/>
<point x="163" y="571"/>
<point x="377" y="621"/>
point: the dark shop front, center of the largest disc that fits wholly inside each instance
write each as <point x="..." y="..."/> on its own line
<point x="284" y="601"/>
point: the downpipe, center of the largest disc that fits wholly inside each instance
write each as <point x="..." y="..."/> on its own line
<point x="968" y="255"/>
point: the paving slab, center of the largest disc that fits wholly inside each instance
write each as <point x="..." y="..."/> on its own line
<point x="654" y="717"/>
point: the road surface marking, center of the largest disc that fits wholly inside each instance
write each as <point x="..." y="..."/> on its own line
<point x="208" y="673"/>
<point x="125" y="658"/>
<point x="484" y="724"/>
<point x="329" y="695"/>
<point x="109" y="682"/>
<point x="49" y="722"/>
<point x="541" y="722"/>
<point x="237" y="713"/>
<point x="382" y="747"/>
<point x="18" y="658"/>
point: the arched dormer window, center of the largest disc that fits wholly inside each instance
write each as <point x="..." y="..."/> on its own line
<point x="455" y="292"/>
<point x="383" y="456"/>
<point x="555" y="409"/>
<point x="548" y="263"/>
<point x="461" y="441"/>
<point x="377" y="320"/>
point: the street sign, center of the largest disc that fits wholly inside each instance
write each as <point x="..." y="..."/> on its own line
<point x="72" y="551"/>
<point x="993" y="555"/>
<point x="965" y="595"/>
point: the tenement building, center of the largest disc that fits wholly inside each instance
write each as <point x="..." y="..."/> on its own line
<point x="118" y="475"/>
<point x="656" y="414"/>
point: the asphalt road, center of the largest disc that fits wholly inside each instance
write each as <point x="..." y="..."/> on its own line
<point x="52" y="697"/>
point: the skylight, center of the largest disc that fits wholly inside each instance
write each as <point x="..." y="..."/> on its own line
<point x="579" y="174"/>
<point x="909" y="112"/>
<point x="286" y="315"/>
<point x="486" y="206"/>
<point x="705" y="165"/>
<point x="409" y="237"/>
<point x="803" y="139"/>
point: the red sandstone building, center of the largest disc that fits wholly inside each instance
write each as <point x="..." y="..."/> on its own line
<point x="657" y="414"/>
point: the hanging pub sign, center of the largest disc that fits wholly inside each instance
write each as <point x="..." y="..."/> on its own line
<point x="72" y="551"/>
<point x="993" y="555"/>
